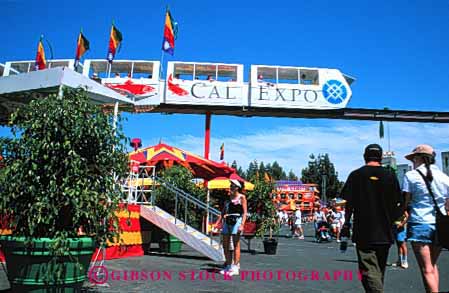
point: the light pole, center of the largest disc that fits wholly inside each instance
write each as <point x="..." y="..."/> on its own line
<point x="323" y="172"/>
<point x="324" y="186"/>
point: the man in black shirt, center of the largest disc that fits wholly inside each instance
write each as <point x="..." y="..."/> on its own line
<point x="373" y="196"/>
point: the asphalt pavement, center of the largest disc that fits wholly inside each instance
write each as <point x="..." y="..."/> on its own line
<point x="299" y="265"/>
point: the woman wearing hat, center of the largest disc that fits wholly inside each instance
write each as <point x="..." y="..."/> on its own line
<point x="234" y="217"/>
<point x="421" y="208"/>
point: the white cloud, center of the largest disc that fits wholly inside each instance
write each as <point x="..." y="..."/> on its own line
<point x="344" y="142"/>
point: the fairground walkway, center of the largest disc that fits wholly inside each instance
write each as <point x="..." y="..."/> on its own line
<point x="323" y="269"/>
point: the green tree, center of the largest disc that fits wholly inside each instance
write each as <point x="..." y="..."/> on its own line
<point x="240" y="172"/>
<point x="321" y="170"/>
<point x="261" y="207"/>
<point x="180" y="177"/>
<point x="238" y="169"/>
<point x="60" y="169"/>
<point x="292" y="176"/>
<point x="277" y="172"/>
<point x="262" y="170"/>
<point x="252" y="171"/>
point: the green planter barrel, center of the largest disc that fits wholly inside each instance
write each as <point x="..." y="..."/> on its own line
<point x="170" y="244"/>
<point x="31" y="269"/>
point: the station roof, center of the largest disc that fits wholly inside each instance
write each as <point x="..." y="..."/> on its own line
<point x="16" y="90"/>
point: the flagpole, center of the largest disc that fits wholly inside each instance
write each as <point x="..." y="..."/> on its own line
<point x="49" y="46"/>
<point x="162" y="51"/>
<point x="162" y="65"/>
<point x="109" y="67"/>
<point x="75" y="65"/>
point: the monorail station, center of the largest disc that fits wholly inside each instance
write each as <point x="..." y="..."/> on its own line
<point x="198" y="88"/>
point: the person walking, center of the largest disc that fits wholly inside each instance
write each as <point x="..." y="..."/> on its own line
<point x="373" y="197"/>
<point x="233" y="216"/>
<point x="337" y="220"/>
<point x="422" y="211"/>
<point x="298" y="224"/>
<point x="400" y="236"/>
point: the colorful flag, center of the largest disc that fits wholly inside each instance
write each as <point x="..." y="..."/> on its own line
<point x="114" y="43"/>
<point x="222" y="152"/>
<point x="81" y="48"/>
<point x="170" y="34"/>
<point x="41" y="63"/>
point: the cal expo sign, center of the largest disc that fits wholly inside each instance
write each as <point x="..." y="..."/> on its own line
<point x="204" y="92"/>
<point x="331" y="92"/>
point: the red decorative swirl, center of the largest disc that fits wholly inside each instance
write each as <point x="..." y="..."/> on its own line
<point x="176" y="89"/>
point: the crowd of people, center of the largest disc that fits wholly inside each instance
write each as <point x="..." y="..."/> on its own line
<point x="325" y="220"/>
<point x="378" y="211"/>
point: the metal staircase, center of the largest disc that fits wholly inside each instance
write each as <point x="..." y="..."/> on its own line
<point x="192" y="237"/>
<point x="173" y="224"/>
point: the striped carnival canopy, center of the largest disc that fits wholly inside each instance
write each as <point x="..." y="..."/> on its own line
<point x="164" y="156"/>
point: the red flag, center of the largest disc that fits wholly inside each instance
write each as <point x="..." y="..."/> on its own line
<point x="170" y="33"/>
<point x="114" y="42"/>
<point x="81" y="48"/>
<point x="41" y="63"/>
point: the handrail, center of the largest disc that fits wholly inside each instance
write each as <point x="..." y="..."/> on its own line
<point x="187" y="196"/>
<point x="187" y="199"/>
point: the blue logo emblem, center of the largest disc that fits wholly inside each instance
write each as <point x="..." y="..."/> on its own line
<point x="334" y="91"/>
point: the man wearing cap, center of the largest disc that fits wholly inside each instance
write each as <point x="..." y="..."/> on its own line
<point x="422" y="214"/>
<point x="373" y="197"/>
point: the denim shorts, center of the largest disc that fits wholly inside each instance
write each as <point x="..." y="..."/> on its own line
<point x="400" y="234"/>
<point x="231" y="230"/>
<point x="421" y="232"/>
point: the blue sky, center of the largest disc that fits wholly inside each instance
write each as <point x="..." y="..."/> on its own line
<point x="397" y="50"/>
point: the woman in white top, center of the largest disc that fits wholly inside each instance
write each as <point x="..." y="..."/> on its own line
<point x="421" y="222"/>
<point x="298" y="222"/>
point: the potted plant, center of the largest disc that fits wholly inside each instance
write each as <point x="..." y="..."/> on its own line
<point x="271" y="225"/>
<point x="263" y="212"/>
<point x="58" y="183"/>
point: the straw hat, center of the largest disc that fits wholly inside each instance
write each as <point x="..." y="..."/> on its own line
<point x="422" y="149"/>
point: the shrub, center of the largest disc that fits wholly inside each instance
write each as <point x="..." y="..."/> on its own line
<point x="61" y="166"/>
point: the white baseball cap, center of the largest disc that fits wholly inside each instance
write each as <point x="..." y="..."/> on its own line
<point x="236" y="183"/>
